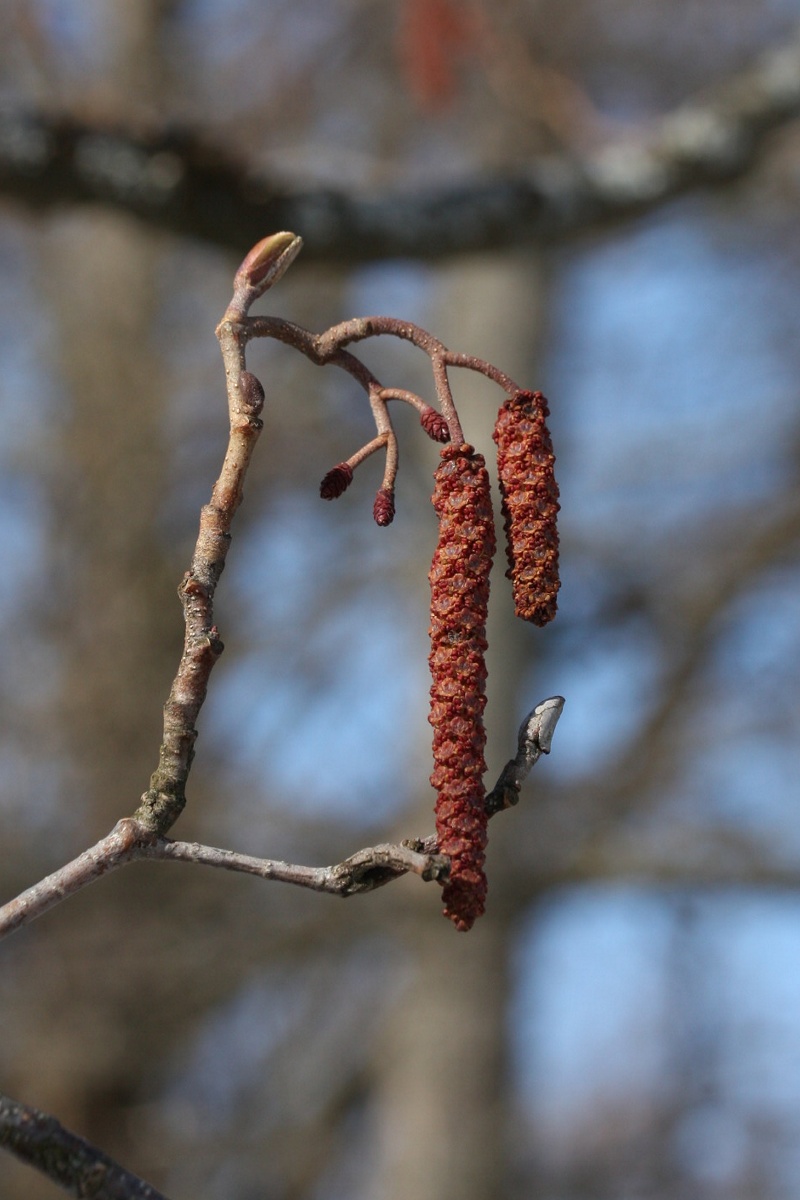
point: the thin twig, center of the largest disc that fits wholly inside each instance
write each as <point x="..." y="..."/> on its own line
<point x="362" y="872"/>
<point x="163" y="802"/>
<point x="122" y="845"/>
<point x="370" y="868"/>
<point x="68" y="1160"/>
<point x="329" y="347"/>
<point x="534" y="739"/>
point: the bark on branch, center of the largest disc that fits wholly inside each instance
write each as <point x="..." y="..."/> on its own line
<point x="68" y="1160"/>
<point x="132" y="840"/>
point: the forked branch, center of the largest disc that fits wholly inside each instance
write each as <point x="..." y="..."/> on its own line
<point x="459" y="593"/>
<point x="369" y="868"/>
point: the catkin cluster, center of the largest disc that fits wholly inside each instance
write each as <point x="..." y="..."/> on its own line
<point x="459" y="578"/>
<point x="529" y="492"/>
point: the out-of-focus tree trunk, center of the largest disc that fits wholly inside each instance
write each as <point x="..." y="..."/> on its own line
<point x="109" y="571"/>
<point x="110" y="488"/>
<point x="443" y="1128"/>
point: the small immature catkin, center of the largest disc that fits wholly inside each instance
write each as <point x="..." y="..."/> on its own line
<point x="383" y="508"/>
<point x="336" y="481"/>
<point x="434" y="424"/>
<point x="529" y="494"/>
<point x="459" y="579"/>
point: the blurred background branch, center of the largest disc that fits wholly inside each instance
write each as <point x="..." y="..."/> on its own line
<point x="40" y="1141"/>
<point x="177" y="180"/>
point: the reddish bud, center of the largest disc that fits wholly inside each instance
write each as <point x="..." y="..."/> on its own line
<point x="383" y="509"/>
<point x="252" y="393"/>
<point x="336" y="481"/>
<point x="434" y="424"/>
<point x="529" y="492"/>
<point x="267" y="261"/>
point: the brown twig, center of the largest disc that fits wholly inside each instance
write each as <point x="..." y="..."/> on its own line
<point x="163" y="802"/>
<point x="364" y="871"/>
<point x="68" y="1160"/>
<point x="367" y="869"/>
<point x="120" y="846"/>
<point x="329" y="347"/>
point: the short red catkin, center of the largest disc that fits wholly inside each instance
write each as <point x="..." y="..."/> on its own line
<point x="459" y="579"/>
<point x="383" y="508"/>
<point x="337" y="480"/>
<point x="434" y="424"/>
<point x="529" y="493"/>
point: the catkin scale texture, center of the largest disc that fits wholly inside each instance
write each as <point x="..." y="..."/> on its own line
<point x="529" y="494"/>
<point x="336" y="482"/>
<point x="459" y="579"/>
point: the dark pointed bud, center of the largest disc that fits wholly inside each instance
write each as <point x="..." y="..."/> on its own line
<point x="434" y="424"/>
<point x="267" y="261"/>
<point x="337" y="480"/>
<point x="252" y="393"/>
<point x="383" y="509"/>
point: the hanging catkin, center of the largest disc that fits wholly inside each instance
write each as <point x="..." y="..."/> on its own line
<point x="529" y="492"/>
<point x="459" y="579"/>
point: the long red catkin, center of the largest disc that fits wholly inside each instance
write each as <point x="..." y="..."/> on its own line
<point x="529" y="493"/>
<point x="459" y="579"/>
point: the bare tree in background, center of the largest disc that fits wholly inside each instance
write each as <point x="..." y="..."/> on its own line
<point x="226" y="1038"/>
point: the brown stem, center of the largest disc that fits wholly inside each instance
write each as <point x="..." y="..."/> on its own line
<point x="329" y="346"/>
<point x="377" y="443"/>
<point x="470" y="363"/>
<point x="130" y="841"/>
<point x="117" y="848"/>
<point x="163" y="802"/>
<point x="446" y="402"/>
<point x="69" y="1161"/>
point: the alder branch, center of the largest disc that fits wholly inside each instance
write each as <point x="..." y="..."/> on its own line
<point x="142" y="836"/>
<point x="179" y="181"/>
<point x="163" y="802"/>
<point x="71" y="1162"/>
<point x="133" y="840"/>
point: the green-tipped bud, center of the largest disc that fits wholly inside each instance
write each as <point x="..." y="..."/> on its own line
<point x="267" y="262"/>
